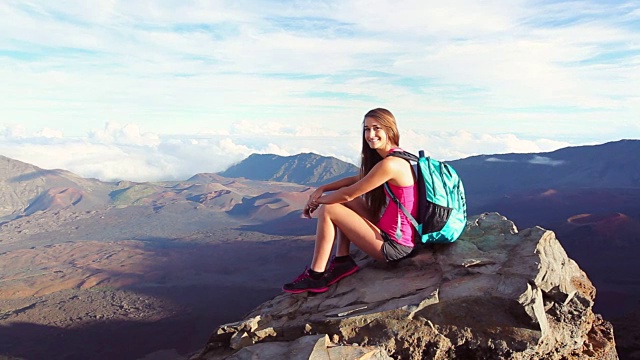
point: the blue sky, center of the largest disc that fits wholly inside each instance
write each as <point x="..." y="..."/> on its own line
<point x="160" y="90"/>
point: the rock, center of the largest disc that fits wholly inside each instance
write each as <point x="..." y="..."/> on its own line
<point x="495" y="293"/>
<point x="311" y="347"/>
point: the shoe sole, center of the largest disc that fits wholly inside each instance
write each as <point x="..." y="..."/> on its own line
<point x="317" y="291"/>
<point x="356" y="268"/>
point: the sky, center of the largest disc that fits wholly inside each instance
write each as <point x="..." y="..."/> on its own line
<point x="162" y="90"/>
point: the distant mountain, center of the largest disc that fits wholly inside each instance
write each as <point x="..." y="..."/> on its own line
<point x="25" y="188"/>
<point x="606" y="166"/>
<point x="307" y="169"/>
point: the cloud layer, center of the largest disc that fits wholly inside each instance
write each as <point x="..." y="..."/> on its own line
<point x="225" y="78"/>
<point x="125" y="152"/>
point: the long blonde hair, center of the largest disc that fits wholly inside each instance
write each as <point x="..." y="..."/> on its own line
<point x="369" y="157"/>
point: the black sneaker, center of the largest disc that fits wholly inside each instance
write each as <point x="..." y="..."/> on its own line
<point x="304" y="282"/>
<point x="338" y="271"/>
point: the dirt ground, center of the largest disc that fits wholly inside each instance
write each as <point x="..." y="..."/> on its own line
<point x="132" y="299"/>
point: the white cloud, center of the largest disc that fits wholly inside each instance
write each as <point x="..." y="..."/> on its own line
<point x="128" y="134"/>
<point x="543" y="160"/>
<point x="453" y="18"/>
<point x="49" y="133"/>
<point x="495" y="159"/>
<point x="461" y="144"/>
<point x="203" y="84"/>
<point x="15" y="131"/>
<point x="124" y="152"/>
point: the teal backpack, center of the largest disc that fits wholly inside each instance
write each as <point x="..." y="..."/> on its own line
<point x="442" y="208"/>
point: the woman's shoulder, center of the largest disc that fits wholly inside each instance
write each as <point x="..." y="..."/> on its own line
<point x="395" y="159"/>
<point x="400" y="171"/>
<point x="397" y="153"/>
<point x="394" y="164"/>
<point x="390" y="162"/>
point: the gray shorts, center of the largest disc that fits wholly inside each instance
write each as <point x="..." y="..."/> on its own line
<point x="393" y="251"/>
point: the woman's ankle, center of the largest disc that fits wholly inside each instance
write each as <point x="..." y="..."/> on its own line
<point x="316" y="275"/>
<point x="342" y="258"/>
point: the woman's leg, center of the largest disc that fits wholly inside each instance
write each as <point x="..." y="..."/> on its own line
<point x="342" y="241"/>
<point x="358" y="230"/>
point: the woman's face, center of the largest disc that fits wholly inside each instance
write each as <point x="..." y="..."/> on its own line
<point x="374" y="134"/>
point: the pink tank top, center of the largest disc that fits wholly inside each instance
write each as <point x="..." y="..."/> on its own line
<point x="389" y="220"/>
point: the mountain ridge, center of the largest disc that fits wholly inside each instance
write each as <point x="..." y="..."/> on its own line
<point x="24" y="186"/>
<point x="306" y="168"/>
<point x="608" y="165"/>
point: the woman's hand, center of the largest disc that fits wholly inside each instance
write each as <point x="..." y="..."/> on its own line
<point x="309" y="209"/>
<point x="312" y="203"/>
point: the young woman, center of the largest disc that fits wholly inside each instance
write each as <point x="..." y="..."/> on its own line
<point x="351" y="211"/>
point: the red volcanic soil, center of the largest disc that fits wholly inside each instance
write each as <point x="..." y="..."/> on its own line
<point x="553" y="206"/>
<point x="82" y="265"/>
<point x="55" y="199"/>
<point x="127" y="299"/>
<point x="221" y="200"/>
<point x="272" y="206"/>
<point x="615" y="229"/>
<point x="277" y="205"/>
<point x="118" y="264"/>
<point x="586" y="219"/>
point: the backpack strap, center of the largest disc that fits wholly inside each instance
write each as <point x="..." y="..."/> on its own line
<point x="413" y="221"/>
<point x="410" y="158"/>
<point x="404" y="155"/>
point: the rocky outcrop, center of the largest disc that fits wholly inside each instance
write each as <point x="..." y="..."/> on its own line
<point x="495" y="293"/>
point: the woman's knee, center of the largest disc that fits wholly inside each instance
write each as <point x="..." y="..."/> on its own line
<point x="329" y="209"/>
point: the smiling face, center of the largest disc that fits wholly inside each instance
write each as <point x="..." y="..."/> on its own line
<point x="375" y="135"/>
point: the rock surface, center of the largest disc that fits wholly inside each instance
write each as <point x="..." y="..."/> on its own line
<point x="495" y="293"/>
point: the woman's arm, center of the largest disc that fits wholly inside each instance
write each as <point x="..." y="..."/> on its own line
<point x="338" y="184"/>
<point x="312" y="203"/>
<point x="382" y="172"/>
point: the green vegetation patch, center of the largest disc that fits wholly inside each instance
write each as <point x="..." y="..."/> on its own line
<point x="133" y="195"/>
